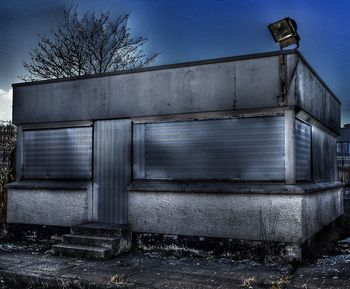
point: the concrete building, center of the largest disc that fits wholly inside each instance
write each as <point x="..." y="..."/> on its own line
<point x="240" y="147"/>
<point x="343" y="163"/>
<point x="343" y="154"/>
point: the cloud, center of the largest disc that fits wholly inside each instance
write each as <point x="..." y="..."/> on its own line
<point x="5" y="104"/>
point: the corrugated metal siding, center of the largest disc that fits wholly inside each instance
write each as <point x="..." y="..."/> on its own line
<point x="58" y="153"/>
<point x="112" y="169"/>
<point x="247" y="149"/>
<point x="324" y="155"/>
<point x="303" y="150"/>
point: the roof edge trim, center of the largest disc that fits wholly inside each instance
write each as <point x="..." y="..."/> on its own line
<point x="165" y="66"/>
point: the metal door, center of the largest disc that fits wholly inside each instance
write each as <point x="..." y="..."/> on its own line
<point x="112" y="170"/>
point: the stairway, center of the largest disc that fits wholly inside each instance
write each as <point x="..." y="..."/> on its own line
<point x="95" y="241"/>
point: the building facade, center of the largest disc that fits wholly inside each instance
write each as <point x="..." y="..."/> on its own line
<point x="241" y="147"/>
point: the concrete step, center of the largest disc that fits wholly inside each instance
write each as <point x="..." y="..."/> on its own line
<point x="93" y="241"/>
<point x="80" y="251"/>
<point x="103" y="230"/>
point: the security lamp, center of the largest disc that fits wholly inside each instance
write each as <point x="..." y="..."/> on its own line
<point x="284" y="32"/>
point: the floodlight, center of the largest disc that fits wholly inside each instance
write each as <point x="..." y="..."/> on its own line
<point x="284" y="32"/>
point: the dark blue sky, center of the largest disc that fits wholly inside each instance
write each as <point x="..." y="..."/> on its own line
<point x="185" y="30"/>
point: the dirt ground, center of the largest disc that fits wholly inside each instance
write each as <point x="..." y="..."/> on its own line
<point x="31" y="265"/>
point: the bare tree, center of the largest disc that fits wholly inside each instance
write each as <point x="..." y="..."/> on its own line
<point x="89" y="44"/>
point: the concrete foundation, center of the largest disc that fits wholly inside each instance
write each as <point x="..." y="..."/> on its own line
<point x="321" y="209"/>
<point x="52" y="207"/>
<point x="286" y="217"/>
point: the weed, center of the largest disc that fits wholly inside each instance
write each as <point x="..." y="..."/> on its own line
<point x="281" y="282"/>
<point x="119" y="280"/>
<point x="249" y="282"/>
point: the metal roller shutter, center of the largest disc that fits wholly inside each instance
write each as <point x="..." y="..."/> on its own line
<point x="303" y="150"/>
<point x="58" y="153"/>
<point x="241" y="148"/>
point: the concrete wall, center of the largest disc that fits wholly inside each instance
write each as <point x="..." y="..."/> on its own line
<point x="47" y="207"/>
<point x="320" y="209"/>
<point x="252" y="217"/>
<point x="274" y="217"/>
